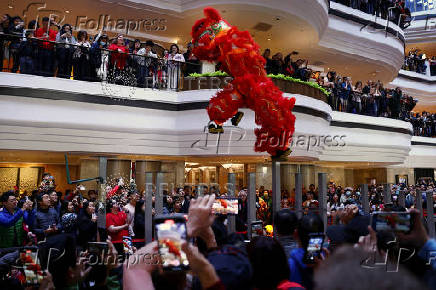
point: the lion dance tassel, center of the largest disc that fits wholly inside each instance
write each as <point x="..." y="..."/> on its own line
<point x="215" y="40"/>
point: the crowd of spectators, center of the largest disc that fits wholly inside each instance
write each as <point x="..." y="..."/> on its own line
<point x="49" y="49"/>
<point x="369" y="98"/>
<point x="417" y="62"/>
<point x="394" y="10"/>
<point x="424" y="124"/>
<point x="48" y="220"/>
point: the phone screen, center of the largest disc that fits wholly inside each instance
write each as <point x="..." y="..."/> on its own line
<point x="99" y="249"/>
<point x="31" y="266"/>
<point x="225" y="206"/>
<point x="391" y="221"/>
<point x="256" y="229"/>
<point x="170" y="234"/>
<point x="313" y="249"/>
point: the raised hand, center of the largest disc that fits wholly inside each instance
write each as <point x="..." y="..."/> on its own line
<point x="200" y="216"/>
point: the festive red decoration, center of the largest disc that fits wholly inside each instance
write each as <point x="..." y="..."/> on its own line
<point x="215" y="40"/>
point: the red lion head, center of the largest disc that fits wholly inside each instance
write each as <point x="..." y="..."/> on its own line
<point x="204" y="32"/>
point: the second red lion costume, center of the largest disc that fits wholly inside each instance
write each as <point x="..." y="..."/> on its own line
<point x="215" y="40"/>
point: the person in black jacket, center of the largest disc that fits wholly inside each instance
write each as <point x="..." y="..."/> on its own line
<point x="27" y="55"/>
<point x="47" y="221"/>
<point x="16" y="29"/>
<point x="87" y="225"/>
<point x="139" y="222"/>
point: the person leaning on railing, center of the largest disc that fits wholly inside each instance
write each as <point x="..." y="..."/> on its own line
<point x="64" y="50"/>
<point x="16" y="29"/>
<point x="27" y="52"/>
<point x="99" y="57"/>
<point x="174" y="59"/>
<point x="119" y="55"/>
<point x="45" y="48"/>
<point x="81" y="57"/>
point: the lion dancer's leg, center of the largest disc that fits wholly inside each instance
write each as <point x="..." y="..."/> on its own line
<point x="222" y="107"/>
<point x="274" y="115"/>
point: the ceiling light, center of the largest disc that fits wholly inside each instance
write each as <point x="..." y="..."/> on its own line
<point x="10" y="6"/>
<point x="67" y="11"/>
<point x="269" y="39"/>
<point x="190" y="164"/>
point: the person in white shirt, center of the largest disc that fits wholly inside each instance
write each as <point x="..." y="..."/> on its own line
<point x="81" y="53"/>
<point x="64" y="50"/>
<point x="146" y="63"/>
<point x="130" y="211"/>
<point x="174" y="58"/>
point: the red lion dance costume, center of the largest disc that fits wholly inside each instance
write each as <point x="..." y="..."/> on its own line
<point x="215" y="40"/>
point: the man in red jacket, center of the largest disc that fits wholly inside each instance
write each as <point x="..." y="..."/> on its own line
<point x="45" y="48"/>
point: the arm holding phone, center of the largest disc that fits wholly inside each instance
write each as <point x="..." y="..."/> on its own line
<point x="200" y="219"/>
<point x="419" y="239"/>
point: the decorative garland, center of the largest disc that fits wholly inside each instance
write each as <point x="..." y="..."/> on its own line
<point x="273" y="76"/>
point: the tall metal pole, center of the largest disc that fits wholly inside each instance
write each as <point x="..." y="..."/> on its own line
<point x="251" y="201"/>
<point x="101" y="211"/>
<point x="231" y="227"/>
<point x="148" y="207"/>
<point x="430" y="214"/>
<point x="418" y="202"/>
<point x="158" y="203"/>
<point x="299" y="195"/>
<point x="365" y="197"/>
<point x="387" y="198"/>
<point x="276" y="189"/>
<point x="322" y="196"/>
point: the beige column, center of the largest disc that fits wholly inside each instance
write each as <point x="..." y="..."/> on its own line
<point x="89" y="169"/>
<point x="308" y="173"/>
<point x="179" y="170"/>
<point x="288" y="176"/>
<point x="146" y="166"/>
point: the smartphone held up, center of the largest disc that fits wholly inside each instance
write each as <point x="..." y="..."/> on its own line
<point x="227" y="206"/>
<point x="171" y="233"/>
<point x="391" y="221"/>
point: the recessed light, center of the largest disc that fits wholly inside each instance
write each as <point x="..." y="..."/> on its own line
<point x="67" y="11"/>
<point x="10" y="6"/>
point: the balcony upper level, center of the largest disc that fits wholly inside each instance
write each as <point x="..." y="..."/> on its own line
<point x="54" y="114"/>
<point x="327" y="33"/>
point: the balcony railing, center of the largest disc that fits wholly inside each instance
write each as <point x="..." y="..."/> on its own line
<point x="91" y="62"/>
<point x="395" y="14"/>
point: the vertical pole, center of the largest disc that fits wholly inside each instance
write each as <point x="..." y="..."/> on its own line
<point x="402" y="198"/>
<point x="148" y="207"/>
<point x="276" y="189"/>
<point x="101" y="210"/>
<point x="231" y="193"/>
<point x="430" y="214"/>
<point x="387" y="193"/>
<point x="418" y="202"/>
<point x="365" y="197"/>
<point x="299" y="195"/>
<point x="158" y="204"/>
<point x="322" y="196"/>
<point x="251" y="201"/>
